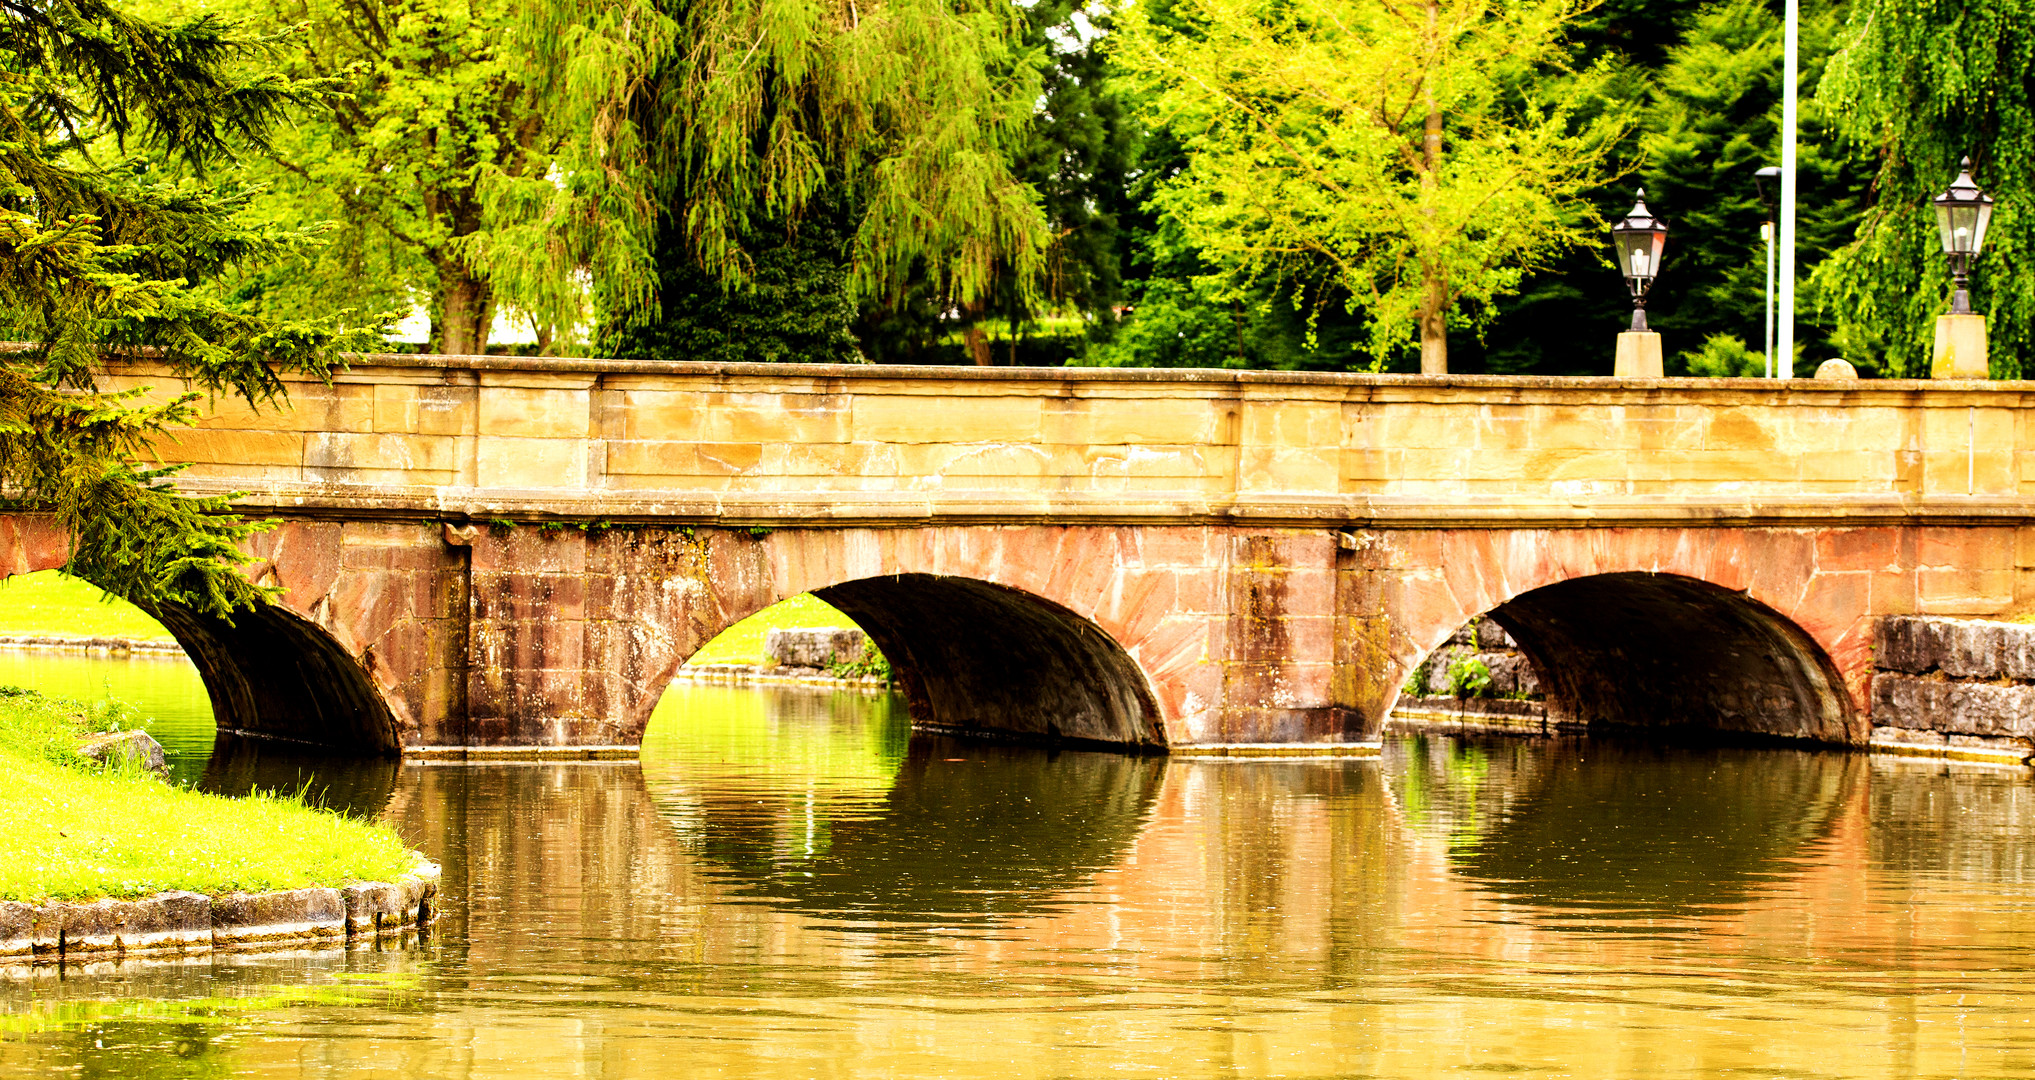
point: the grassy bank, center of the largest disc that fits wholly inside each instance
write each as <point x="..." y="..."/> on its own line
<point x="47" y="602"/>
<point x="742" y="643"/>
<point x="70" y="830"/>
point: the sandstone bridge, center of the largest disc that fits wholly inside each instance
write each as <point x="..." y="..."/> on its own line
<point x="501" y="551"/>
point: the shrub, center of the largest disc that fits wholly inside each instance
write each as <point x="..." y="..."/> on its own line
<point x="1468" y="678"/>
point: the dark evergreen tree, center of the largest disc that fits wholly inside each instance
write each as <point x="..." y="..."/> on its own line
<point x="109" y="233"/>
<point x="794" y="307"/>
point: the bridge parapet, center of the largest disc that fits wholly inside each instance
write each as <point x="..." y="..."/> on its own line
<point x="799" y="444"/>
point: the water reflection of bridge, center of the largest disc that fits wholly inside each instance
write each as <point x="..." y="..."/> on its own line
<point x="1376" y="907"/>
<point x="1440" y="907"/>
<point x="515" y="551"/>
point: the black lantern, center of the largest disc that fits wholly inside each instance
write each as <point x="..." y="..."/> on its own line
<point x="1962" y="214"/>
<point x="1639" y="240"/>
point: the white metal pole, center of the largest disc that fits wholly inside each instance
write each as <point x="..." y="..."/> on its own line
<point x="1784" y="346"/>
<point x="1766" y="341"/>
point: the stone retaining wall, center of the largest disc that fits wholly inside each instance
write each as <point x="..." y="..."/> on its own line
<point x="1514" y="702"/>
<point x="1954" y="687"/>
<point x="188" y="922"/>
<point x="817" y="648"/>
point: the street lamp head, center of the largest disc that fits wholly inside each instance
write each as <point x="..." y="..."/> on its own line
<point x="1962" y="214"/>
<point x="1767" y="183"/>
<point x="1639" y="240"/>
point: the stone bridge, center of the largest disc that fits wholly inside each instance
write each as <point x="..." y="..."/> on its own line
<point x="500" y="551"/>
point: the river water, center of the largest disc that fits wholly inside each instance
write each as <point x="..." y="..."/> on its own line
<point x="791" y="885"/>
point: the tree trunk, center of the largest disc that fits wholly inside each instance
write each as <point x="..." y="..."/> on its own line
<point x="466" y="311"/>
<point x="977" y="341"/>
<point x="1434" y="323"/>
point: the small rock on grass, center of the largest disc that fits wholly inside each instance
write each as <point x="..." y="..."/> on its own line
<point x="119" y="746"/>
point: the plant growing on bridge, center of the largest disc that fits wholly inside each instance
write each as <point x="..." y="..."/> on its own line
<point x="1413" y="158"/>
<point x="114" y="213"/>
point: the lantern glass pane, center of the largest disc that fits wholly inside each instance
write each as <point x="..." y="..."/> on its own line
<point x="1944" y="228"/>
<point x="1963" y="227"/>
<point x="1978" y="232"/>
<point x="1635" y="254"/>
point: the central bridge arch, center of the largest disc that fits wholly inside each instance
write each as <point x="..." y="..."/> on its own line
<point x="977" y="658"/>
<point x="1077" y="636"/>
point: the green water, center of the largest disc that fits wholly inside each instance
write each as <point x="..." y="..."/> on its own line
<point x="167" y="690"/>
<point x="791" y="885"/>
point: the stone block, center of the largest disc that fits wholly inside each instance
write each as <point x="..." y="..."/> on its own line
<point x="814" y="648"/>
<point x="165" y="921"/>
<point x="1960" y="708"/>
<point x="1959" y="351"/>
<point x="27" y="929"/>
<point x="531" y="463"/>
<point x="374" y="907"/>
<point x="1971" y="649"/>
<point x="526" y="412"/>
<point x="916" y="419"/>
<point x="298" y="915"/>
<point x="1960" y="648"/>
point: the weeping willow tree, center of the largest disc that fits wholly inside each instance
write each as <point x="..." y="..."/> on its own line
<point x="1415" y="157"/>
<point x="1919" y="84"/>
<point x="818" y="151"/>
<point x="108" y="234"/>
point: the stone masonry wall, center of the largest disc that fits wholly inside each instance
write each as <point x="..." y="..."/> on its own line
<point x="1955" y="684"/>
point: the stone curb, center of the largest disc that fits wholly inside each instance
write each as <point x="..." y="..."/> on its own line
<point x="58" y="643"/>
<point x="1275" y="750"/>
<point x="748" y="675"/>
<point x="188" y="922"/>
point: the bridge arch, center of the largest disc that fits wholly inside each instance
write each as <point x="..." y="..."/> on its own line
<point x="271" y="672"/>
<point x="974" y="657"/>
<point x="274" y="674"/>
<point x="1758" y="632"/>
<point x="1067" y="635"/>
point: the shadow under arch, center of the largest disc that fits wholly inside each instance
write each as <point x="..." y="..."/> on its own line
<point x="1614" y="830"/>
<point x="274" y="674"/>
<point x="953" y="842"/>
<point x="1649" y="651"/>
<point x="976" y="658"/>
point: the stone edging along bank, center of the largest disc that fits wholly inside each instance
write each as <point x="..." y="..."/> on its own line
<point x="188" y="922"/>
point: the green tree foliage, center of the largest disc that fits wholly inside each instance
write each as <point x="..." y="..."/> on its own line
<point x="109" y="232"/>
<point x="436" y="163"/>
<point x="710" y="131"/>
<point x="1919" y="84"/>
<point x="1413" y="159"/>
<point x="1077" y="152"/>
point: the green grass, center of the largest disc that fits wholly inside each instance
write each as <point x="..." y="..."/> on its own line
<point x="742" y="643"/>
<point x="73" y="831"/>
<point x="47" y="602"/>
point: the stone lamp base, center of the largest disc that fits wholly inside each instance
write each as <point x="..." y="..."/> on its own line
<point x="1960" y="348"/>
<point x="1639" y="355"/>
